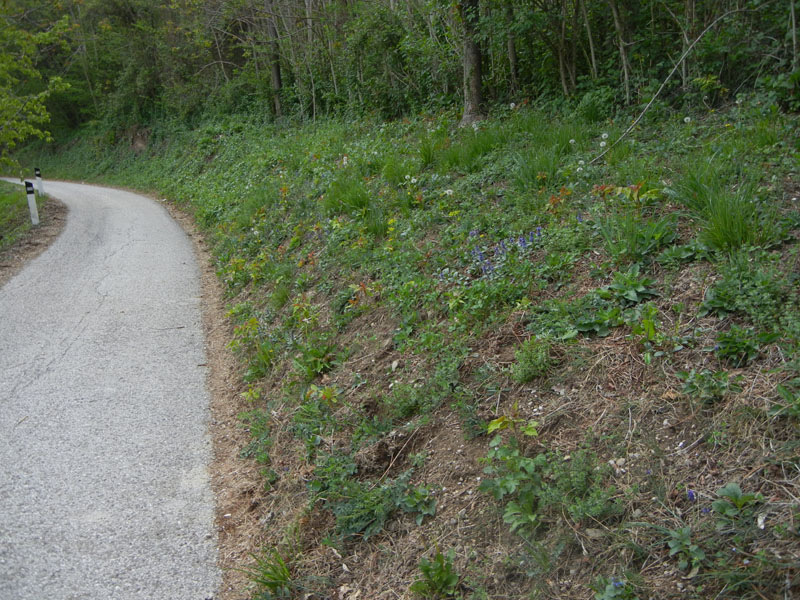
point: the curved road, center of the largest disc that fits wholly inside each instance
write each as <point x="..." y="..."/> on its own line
<point x="104" y="492"/>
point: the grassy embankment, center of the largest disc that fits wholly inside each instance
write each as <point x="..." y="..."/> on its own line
<point x="482" y="367"/>
<point x="15" y="218"/>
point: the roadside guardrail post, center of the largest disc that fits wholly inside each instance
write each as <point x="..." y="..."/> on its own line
<point x="32" y="203"/>
<point x="39" y="183"/>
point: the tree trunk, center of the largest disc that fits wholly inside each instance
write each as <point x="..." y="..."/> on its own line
<point x="619" y="26"/>
<point x="593" y="59"/>
<point x="573" y="49"/>
<point x="83" y="50"/>
<point x="688" y="36"/>
<point x="795" y="62"/>
<point x="275" y="63"/>
<point x="511" y="45"/>
<point x="221" y="60"/>
<point x="473" y="79"/>
<point x="309" y="23"/>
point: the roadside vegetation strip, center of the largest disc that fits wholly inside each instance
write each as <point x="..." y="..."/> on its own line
<point x="14" y="216"/>
<point x="479" y="366"/>
<point x="19" y="242"/>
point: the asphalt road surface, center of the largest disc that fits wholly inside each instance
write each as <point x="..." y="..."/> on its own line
<point x="104" y="491"/>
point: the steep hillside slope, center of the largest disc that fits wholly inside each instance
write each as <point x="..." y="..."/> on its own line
<point x="484" y="364"/>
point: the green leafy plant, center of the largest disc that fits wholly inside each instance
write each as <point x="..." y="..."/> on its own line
<point x="361" y="508"/>
<point x="628" y="287"/>
<point x="790" y="405"/>
<point x="644" y="324"/>
<point x="533" y="359"/>
<point x="690" y="555"/>
<point x="750" y="284"/>
<point x="418" y="500"/>
<point x="734" y="508"/>
<point x="272" y="575"/>
<point x="315" y="357"/>
<point x="612" y="588"/>
<point x="680" y="254"/>
<point x="548" y="484"/>
<point x="258" y="421"/>
<point x="708" y="386"/>
<point x="601" y="322"/>
<point x="630" y="239"/>
<point x="262" y="361"/>
<point x="739" y="346"/>
<point x="439" y="577"/>
<point x="736" y="345"/>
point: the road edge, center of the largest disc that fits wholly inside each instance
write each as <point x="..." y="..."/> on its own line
<point x="35" y="241"/>
<point x="234" y="481"/>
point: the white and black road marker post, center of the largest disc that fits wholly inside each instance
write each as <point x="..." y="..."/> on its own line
<point x="32" y="203"/>
<point x="39" y="184"/>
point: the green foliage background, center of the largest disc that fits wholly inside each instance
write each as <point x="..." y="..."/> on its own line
<point x="134" y="63"/>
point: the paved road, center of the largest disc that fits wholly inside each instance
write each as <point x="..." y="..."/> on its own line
<point x="104" y="492"/>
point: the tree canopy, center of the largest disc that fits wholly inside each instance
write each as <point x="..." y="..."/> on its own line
<point x="23" y="90"/>
<point x="134" y="61"/>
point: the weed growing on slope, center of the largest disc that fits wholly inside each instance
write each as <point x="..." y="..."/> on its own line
<point x="751" y="284"/>
<point x="532" y="359"/>
<point x="546" y="486"/>
<point x="439" y="578"/>
<point x="630" y="239"/>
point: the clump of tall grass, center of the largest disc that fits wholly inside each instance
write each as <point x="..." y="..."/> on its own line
<point x="430" y="146"/>
<point x="734" y="219"/>
<point x="465" y="153"/>
<point x="259" y="199"/>
<point x="540" y="131"/>
<point x="347" y="194"/>
<point x="395" y="168"/>
<point x="538" y="168"/>
<point x="730" y="216"/>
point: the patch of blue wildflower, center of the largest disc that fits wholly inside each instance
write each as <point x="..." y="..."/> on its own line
<point x="613" y="588"/>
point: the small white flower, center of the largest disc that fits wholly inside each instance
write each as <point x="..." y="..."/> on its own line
<point x="475" y="126"/>
<point x="581" y="163"/>
<point x="580" y="169"/>
<point x="408" y="177"/>
<point x="602" y="144"/>
<point x="513" y="106"/>
<point x="687" y="120"/>
<point x="413" y="180"/>
<point x="572" y="141"/>
<point x="344" y="160"/>
<point x="448" y="192"/>
<point x="604" y="136"/>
